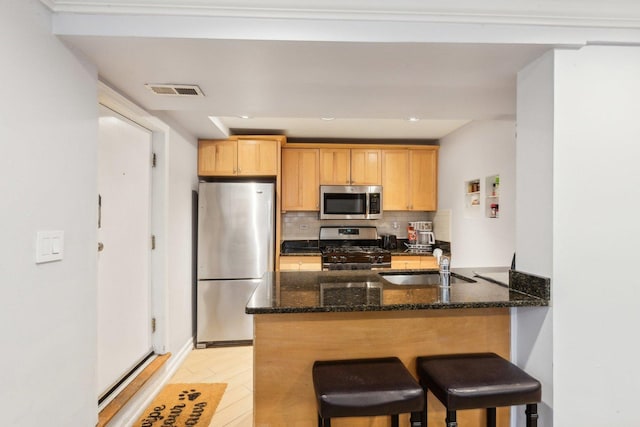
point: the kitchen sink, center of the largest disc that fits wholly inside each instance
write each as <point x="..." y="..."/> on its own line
<point x="421" y="278"/>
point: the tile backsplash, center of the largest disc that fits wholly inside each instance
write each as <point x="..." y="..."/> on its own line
<point x="306" y="225"/>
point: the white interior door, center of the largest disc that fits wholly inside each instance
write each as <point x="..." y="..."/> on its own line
<point x="124" y="288"/>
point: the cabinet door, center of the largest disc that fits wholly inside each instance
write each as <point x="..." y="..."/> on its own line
<point x="428" y="262"/>
<point x="217" y="158"/>
<point x="395" y="180"/>
<point x="405" y="262"/>
<point x="300" y="263"/>
<point x="366" y="167"/>
<point x="300" y="188"/>
<point x="289" y="263"/>
<point x="257" y="157"/>
<point x="424" y="179"/>
<point x="334" y="166"/>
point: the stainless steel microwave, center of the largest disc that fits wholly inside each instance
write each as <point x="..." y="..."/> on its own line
<point x="350" y="202"/>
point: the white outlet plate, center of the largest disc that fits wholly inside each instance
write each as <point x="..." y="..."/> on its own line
<point x="49" y="246"/>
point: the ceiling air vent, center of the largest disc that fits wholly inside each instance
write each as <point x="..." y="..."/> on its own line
<point x="174" y="90"/>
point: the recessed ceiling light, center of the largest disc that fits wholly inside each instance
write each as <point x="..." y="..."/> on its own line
<point x="413" y="119"/>
<point x="328" y="119"/>
<point x="244" y="117"/>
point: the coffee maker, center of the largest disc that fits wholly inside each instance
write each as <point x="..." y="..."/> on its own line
<point x="424" y="232"/>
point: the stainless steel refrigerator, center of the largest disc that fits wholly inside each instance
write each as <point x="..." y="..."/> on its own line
<point x="236" y="232"/>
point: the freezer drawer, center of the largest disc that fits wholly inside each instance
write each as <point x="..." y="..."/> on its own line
<point x="220" y="311"/>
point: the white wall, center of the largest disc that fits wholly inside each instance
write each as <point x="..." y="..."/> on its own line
<point x="182" y="179"/>
<point x="596" y="187"/>
<point x="48" y="146"/>
<point x="577" y="165"/>
<point x="532" y="346"/>
<point x="478" y="150"/>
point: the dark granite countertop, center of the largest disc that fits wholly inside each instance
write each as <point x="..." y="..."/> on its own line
<point x="350" y="291"/>
<point x="301" y="252"/>
<point x="299" y="248"/>
<point x="403" y="250"/>
<point x="310" y="248"/>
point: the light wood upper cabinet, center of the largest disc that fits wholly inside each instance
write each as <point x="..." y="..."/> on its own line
<point x="238" y="157"/>
<point x="423" y="170"/>
<point x="257" y="157"/>
<point x="300" y="172"/>
<point x="344" y="166"/>
<point x="366" y="167"/>
<point x="409" y="179"/>
<point x="335" y="166"/>
<point x="217" y="158"/>
<point x="395" y="180"/>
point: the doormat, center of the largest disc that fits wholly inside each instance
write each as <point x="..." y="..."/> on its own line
<point x="180" y="405"/>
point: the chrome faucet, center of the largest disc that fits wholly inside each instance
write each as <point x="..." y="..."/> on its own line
<point x="445" y="272"/>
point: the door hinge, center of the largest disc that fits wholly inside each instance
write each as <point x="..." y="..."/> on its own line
<point x="153" y="242"/>
<point x="153" y="324"/>
<point x="154" y="160"/>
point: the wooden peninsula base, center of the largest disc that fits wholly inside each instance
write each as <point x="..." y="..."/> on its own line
<point x="286" y="345"/>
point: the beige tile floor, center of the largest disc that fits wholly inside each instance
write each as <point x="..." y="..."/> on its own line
<point x="230" y="365"/>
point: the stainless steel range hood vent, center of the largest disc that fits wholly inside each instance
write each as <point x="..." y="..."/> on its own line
<point x="174" y="89"/>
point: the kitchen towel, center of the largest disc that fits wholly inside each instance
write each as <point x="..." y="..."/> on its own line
<point x="183" y="405"/>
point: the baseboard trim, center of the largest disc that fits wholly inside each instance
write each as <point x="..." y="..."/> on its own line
<point x="145" y="393"/>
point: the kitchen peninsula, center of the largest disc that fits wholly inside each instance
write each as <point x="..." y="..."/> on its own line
<point x="300" y="317"/>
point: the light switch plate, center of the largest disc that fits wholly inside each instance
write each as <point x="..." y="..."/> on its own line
<point x="49" y="246"/>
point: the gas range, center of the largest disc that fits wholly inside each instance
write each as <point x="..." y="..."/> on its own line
<point x="352" y="248"/>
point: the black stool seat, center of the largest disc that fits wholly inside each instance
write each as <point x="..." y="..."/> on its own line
<point x="478" y="380"/>
<point x="365" y="387"/>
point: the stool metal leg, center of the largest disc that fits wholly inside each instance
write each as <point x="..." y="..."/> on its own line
<point x="416" y="419"/>
<point x="532" y="415"/>
<point x="451" y="419"/>
<point x="395" y="421"/>
<point x="424" y="414"/>
<point x="324" y="422"/>
<point x="491" y="417"/>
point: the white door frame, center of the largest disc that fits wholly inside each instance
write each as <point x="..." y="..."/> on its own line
<point x="159" y="176"/>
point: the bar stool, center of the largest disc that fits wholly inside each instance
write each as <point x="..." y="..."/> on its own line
<point x="475" y="381"/>
<point x="365" y="388"/>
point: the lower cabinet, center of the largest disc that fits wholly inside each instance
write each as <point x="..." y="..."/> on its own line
<point x="413" y="262"/>
<point x="300" y="263"/>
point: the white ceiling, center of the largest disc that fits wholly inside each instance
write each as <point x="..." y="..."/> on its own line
<point x="369" y="88"/>
<point x="287" y="85"/>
